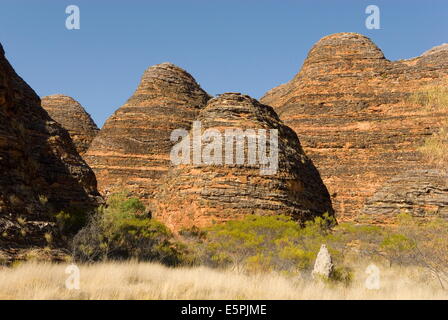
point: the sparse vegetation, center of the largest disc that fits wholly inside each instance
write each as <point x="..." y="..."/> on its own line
<point x="71" y="220"/>
<point x="259" y="257"/>
<point x="273" y="248"/>
<point x="260" y="244"/>
<point x="435" y="148"/>
<point x="263" y="244"/>
<point x="122" y="230"/>
<point x="132" y="280"/>
<point x="421" y="243"/>
<point x="43" y="200"/>
<point x="435" y="98"/>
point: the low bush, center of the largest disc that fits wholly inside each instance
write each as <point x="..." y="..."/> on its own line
<point x="71" y="220"/>
<point x="264" y="243"/>
<point x="122" y="230"/>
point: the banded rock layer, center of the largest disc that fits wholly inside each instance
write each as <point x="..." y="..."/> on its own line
<point x="72" y="117"/>
<point x="346" y="105"/>
<point x="200" y="194"/>
<point x="420" y="192"/>
<point x="132" y="150"/>
<point x="41" y="172"/>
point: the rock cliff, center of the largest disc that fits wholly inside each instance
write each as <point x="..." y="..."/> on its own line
<point x="41" y="171"/>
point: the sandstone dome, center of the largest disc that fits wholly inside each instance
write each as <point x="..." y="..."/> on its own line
<point x="131" y="151"/>
<point x="337" y="66"/>
<point x="348" y="104"/>
<point x="340" y="46"/>
<point x="71" y="116"/>
<point x="199" y="194"/>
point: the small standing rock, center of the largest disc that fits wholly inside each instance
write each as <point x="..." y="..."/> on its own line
<point x="323" y="267"/>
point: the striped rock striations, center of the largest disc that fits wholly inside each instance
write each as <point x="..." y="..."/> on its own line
<point x="420" y="192"/>
<point x="347" y="105"/>
<point x="41" y="172"/>
<point x="201" y="193"/>
<point x="132" y="150"/>
<point x="72" y="117"/>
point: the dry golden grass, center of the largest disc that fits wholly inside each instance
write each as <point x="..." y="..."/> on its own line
<point x="434" y="97"/>
<point x="133" y="280"/>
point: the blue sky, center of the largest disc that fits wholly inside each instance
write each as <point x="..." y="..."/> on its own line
<point x="246" y="46"/>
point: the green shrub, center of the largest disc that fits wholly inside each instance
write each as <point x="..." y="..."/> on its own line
<point x="121" y="230"/>
<point x="71" y="220"/>
<point x="341" y="275"/>
<point x="121" y="206"/>
<point x="264" y="243"/>
<point x="396" y="247"/>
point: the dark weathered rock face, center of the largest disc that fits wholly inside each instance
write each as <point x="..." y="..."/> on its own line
<point x="40" y="168"/>
<point x="72" y="117"/>
<point x="132" y="150"/>
<point x="421" y="192"/>
<point x="200" y="194"/>
<point x="346" y="105"/>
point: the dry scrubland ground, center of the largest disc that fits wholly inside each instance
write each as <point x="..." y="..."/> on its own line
<point x="132" y="280"/>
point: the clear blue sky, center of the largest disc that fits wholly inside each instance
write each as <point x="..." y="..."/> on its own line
<point x="246" y="46"/>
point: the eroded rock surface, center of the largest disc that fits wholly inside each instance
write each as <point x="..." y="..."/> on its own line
<point x="202" y="194"/>
<point x="419" y="192"/>
<point x="347" y="106"/>
<point x="132" y="150"/>
<point x="72" y="117"/>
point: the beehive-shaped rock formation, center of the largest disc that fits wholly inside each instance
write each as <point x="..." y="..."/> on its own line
<point x="132" y="150"/>
<point x="41" y="172"/>
<point x="72" y="117"/>
<point x="347" y="107"/>
<point x="200" y="193"/>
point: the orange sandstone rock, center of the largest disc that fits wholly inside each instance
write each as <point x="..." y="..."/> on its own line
<point x="132" y="150"/>
<point x="199" y="194"/>
<point x="72" y="117"/>
<point x="347" y="105"/>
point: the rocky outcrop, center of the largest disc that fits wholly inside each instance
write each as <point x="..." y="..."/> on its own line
<point x="420" y="192"/>
<point x="72" y="117"/>
<point x="41" y="171"/>
<point x="132" y="150"/>
<point x="347" y="107"/>
<point x="436" y="49"/>
<point x="200" y="193"/>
